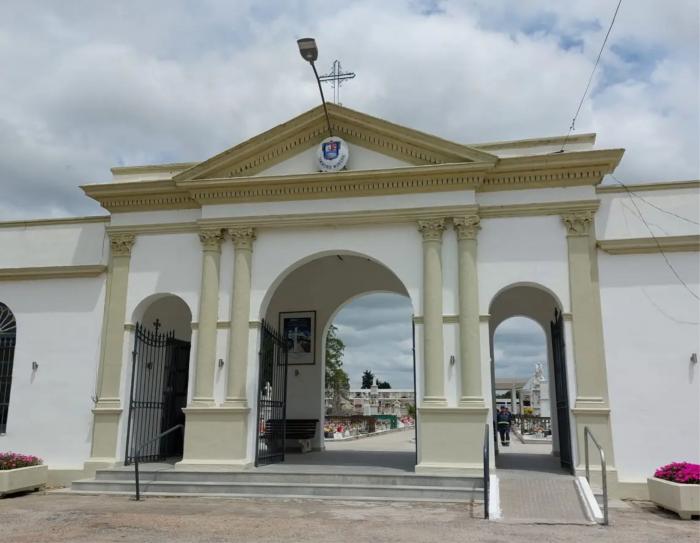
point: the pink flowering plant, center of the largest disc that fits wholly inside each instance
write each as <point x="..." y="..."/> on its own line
<point x="680" y="472"/>
<point x="10" y="460"/>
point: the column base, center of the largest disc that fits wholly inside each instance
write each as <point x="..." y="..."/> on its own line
<point x="451" y="440"/>
<point x="597" y="419"/>
<point x="105" y="429"/>
<point x="215" y="436"/>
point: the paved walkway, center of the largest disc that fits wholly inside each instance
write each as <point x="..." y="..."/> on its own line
<point x="393" y="452"/>
<point x="535" y="489"/>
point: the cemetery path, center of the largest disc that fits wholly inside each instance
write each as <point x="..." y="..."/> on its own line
<point x="535" y="489"/>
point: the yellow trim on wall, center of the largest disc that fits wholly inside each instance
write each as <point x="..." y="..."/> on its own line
<point x="643" y="187"/>
<point x="669" y="244"/>
<point x="51" y="272"/>
<point x="30" y="223"/>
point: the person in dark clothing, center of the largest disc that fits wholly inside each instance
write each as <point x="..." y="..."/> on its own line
<point x="503" y="422"/>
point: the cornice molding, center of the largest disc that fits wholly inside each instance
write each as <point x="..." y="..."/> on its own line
<point x="538" y="209"/>
<point x="585" y="168"/>
<point x="669" y="244"/>
<point x="643" y="187"/>
<point x="570" y="169"/>
<point x="346" y="218"/>
<point x="415" y="179"/>
<point x="158" y="228"/>
<point x="51" y="272"/>
<point x="140" y="196"/>
<point x="30" y="223"/>
<point x="572" y="139"/>
<point x="364" y="217"/>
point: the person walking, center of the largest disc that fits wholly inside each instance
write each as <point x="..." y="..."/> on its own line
<point x="504" y="418"/>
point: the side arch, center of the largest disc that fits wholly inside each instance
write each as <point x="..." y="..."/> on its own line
<point x="8" y="338"/>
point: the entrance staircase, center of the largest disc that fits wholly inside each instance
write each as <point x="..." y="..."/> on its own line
<point x="271" y="484"/>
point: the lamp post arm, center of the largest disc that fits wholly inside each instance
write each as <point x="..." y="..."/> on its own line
<point x="323" y="99"/>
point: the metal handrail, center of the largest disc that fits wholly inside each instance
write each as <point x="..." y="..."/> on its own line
<point x="603" y="469"/>
<point x="487" y="473"/>
<point x="137" y="451"/>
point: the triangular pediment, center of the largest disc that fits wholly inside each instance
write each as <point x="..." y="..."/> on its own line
<point x="400" y="145"/>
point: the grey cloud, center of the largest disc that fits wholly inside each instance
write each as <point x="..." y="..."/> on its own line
<point x="87" y="86"/>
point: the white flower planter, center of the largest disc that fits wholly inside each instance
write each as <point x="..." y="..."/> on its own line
<point x="20" y="479"/>
<point x="680" y="498"/>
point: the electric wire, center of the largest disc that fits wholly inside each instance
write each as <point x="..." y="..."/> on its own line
<point x="658" y="245"/>
<point x="590" y="79"/>
<point x="651" y="204"/>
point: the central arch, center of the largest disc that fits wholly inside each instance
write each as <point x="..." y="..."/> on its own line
<point x="317" y="288"/>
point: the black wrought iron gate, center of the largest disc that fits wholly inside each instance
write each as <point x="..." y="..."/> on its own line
<point x="158" y="393"/>
<point x="8" y="337"/>
<point x="561" y="390"/>
<point x="272" y="397"/>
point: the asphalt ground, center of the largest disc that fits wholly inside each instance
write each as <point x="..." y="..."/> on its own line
<point x="47" y="517"/>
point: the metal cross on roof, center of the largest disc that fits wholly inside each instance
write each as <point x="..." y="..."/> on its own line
<point x="336" y="77"/>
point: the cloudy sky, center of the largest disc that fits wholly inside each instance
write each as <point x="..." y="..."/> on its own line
<point x="88" y="85"/>
<point x="376" y="330"/>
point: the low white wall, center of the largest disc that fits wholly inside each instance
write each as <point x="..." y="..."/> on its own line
<point x="650" y="324"/>
<point x="59" y="324"/>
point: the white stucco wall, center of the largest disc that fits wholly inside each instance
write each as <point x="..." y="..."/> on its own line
<point x="67" y="244"/>
<point x="618" y="218"/>
<point x="59" y="325"/>
<point x="651" y="329"/>
<point x="523" y="250"/>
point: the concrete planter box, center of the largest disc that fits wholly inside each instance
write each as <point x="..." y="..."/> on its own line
<point x="680" y="498"/>
<point x="20" y="479"/>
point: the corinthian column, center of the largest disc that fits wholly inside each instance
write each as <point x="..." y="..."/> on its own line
<point x="467" y="229"/>
<point x="592" y="407"/>
<point x="242" y="238"/>
<point x="108" y="408"/>
<point x="587" y="324"/>
<point x="208" y="316"/>
<point x="433" y="349"/>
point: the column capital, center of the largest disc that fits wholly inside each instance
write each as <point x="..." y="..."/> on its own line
<point x="211" y="238"/>
<point x="578" y="223"/>
<point x="242" y="236"/>
<point x="467" y="227"/>
<point x="431" y="229"/>
<point x="121" y="244"/>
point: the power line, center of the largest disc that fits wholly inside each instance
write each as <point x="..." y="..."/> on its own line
<point x="653" y="205"/>
<point x="658" y="245"/>
<point x="590" y="79"/>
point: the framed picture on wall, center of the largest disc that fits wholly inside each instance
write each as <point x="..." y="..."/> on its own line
<point x="299" y="329"/>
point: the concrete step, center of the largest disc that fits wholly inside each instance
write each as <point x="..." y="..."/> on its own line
<point x="284" y="489"/>
<point x="323" y="484"/>
<point x="262" y="477"/>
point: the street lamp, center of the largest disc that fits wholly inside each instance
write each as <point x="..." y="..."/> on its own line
<point x="309" y="52"/>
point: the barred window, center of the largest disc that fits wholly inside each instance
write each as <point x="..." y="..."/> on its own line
<point x="8" y="335"/>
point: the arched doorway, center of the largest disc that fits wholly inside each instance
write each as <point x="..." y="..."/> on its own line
<point x="159" y="378"/>
<point x="8" y="337"/>
<point x="302" y="308"/>
<point x="543" y="317"/>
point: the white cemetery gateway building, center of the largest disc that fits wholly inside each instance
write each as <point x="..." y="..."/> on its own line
<point x="193" y="258"/>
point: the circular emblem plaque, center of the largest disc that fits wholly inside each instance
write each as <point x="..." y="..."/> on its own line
<point x="333" y="154"/>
